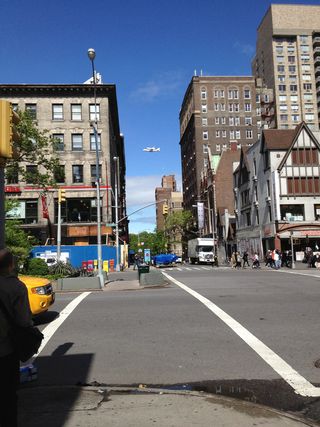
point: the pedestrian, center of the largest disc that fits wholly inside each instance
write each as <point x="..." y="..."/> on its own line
<point x="276" y="259"/>
<point x="269" y="262"/>
<point x="238" y="260"/>
<point x="245" y="259"/>
<point x="233" y="260"/>
<point x="136" y="261"/>
<point x="14" y="298"/>
<point x="256" y="261"/>
<point x="317" y="262"/>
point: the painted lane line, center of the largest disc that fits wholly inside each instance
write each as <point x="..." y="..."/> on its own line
<point x="179" y="269"/>
<point x="300" y="385"/>
<point x="196" y="268"/>
<point x="299" y="274"/>
<point x="49" y="330"/>
<point x="188" y="268"/>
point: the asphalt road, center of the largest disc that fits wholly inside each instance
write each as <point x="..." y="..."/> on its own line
<point x="165" y="336"/>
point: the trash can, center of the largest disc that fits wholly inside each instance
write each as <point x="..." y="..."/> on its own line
<point x="143" y="268"/>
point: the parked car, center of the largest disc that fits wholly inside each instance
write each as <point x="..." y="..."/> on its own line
<point x="178" y="260"/>
<point x="40" y="293"/>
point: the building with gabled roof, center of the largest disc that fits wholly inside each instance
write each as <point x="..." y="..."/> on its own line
<point x="277" y="192"/>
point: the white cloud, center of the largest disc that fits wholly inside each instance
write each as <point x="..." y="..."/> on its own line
<point x="245" y="48"/>
<point x="159" y="87"/>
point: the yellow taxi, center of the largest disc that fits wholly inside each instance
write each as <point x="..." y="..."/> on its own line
<point x="40" y="293"/>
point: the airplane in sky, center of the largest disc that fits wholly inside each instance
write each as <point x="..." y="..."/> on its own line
<point x="151" y="149"/>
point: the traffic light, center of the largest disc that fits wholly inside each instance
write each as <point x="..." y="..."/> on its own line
<point x="8" y="135"/>
<point x="165" y="209"/>
<point x="62" y="196"/>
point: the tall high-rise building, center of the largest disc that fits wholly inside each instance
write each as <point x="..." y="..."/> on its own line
<point x="288" y="61"/>
<point x="215" y="112"/>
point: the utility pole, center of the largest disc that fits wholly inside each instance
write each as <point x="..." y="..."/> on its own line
<point x="116" y="160"/>
<point x="61" y="198"/>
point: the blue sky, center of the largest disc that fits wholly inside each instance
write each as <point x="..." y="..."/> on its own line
<point x="149" y="49"/>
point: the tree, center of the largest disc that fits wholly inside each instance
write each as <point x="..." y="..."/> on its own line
<point x="16" y="239"/>
<point x="179" y="222"/>
<point x="153" y="241"/>
<point x="37" y="148"/>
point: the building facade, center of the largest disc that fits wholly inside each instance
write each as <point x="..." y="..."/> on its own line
<point x="277" y="192"/>
<point x="66" y="111"/>
<point x="215" y="112"/>
<point x="288" y="61"/>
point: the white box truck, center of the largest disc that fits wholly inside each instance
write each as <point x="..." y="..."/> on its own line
<point x="201" y="250"/>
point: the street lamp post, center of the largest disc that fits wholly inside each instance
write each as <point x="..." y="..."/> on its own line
<point x="116" y="160"/>
<point x="92" y="55"/>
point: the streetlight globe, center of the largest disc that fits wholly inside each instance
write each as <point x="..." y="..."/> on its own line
<point x="91" y="54"/>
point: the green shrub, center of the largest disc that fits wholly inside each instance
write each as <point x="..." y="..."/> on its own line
<point x="62" y="269"/>
<point x="37" y="267"/>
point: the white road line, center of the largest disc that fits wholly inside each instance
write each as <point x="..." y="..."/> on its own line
<point x="188" y="268"/>
<point x="207" y="268"/>
<point x="300" y="385"/>
<point x="196" y="268"/>
<point x="179" y="269"/>
<point x="49" y="330"/>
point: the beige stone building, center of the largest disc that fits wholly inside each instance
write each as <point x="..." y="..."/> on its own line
<point x="66" y="112"/>
<point x="288" y="61"/>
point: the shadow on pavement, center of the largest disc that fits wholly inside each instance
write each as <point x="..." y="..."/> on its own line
<point x="47" y="401"/>
<point x="44" y="318"/>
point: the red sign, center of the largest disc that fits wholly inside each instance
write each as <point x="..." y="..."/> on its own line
<point x="45" y="212"/>
<point x="12" y="189"/>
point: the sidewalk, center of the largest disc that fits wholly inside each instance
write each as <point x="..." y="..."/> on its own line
<point x="123" y="407"/>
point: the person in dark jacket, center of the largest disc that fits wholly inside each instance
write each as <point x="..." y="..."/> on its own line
<point x="245" y="259"/>
<point x="14" y="297"/>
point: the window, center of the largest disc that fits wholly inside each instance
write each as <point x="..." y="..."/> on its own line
<point x="257" y="98"/>
<point x="305" y="67"/>
<point x="317" y="212"/>
<point x="309" y="117"/>
<point x="223" y="120"/>
<point x="218" y="147"/>
<point x="294" y="98"/>
<point x="307" y="86"/>
<point x="230" y="94"/>
<point x="216" y="107"/>
<point x="205" y="148"/>
<point x="231" y="134"/>
<point x="224" y="133"/>
<point x="283" y="108"/>
<point x="203" y="108"/>
<point x="230" y="108"/>
<point x="307" y="96"/>
<point x="205" y="135"/>
<point x="57" y="111"/>
<point x="231" y="121"/>
<point x="237" y="121"/>
<point x="77" y="174"/>
<point x="304" y="48"/>
<point x="290" y="49"/>
<point x="59" y="174"/>
<point x="291" y="59"/>
<point x="12" y="176"/>
<point x="76" y="112"/>
<point x="238" y="134"/>
<point x="31" y="212"/>
<point x="93" y="169"/>
<point x="223" y="107"/>
<point x="248" y="121"/>
<point x="303" y="185"/>
<point x="281" y="79"/>
<point x="247" y="94"/>
<point x="249" y="134"/>
<point x="304" y="156"/>
<point x="222" y="93"/>
<point x="305" y="57"/>
<point x="203" y="94"/>
<point x="204" y="121"/>
<point x="283" y="98"/>
<point x="303" y="39"/>
<point x="236" y="108"/>
<point x="280" y="58"/>
<point x="248" y="218"/>
<point x="294" y="107"/>
<point x="94" y="112"/>
<point x="308" y="106"/>
<point x="217" y="120"/>
<point x="282" y="88"/>
<point x="58" y="140"/>
<point x="292" y="68"/>
<point x="295" y="117"/>
<point x="15" y="107"/>
<point x="76" y="142"/>
<point x="216" y="93"/>
<point x="284" y="117"/>
<point x="217" y="134"/>
<point x="293" y="79"/>
<point x="236" y="94"/>
<point x="31" y="171"/>
<point x="279" y="49"/>
<point x="293" y="88"/>
<point x="224" y="146"/>
<point x="31" y="109"/>
<point x="292" y="212"/>
<point x="247" y="106"/>
<point x="93" y="142"/>
<point x="281" y="68"/>
<point x="306" y="77"/>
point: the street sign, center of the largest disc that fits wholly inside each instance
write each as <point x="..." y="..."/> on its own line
<point x="112" y="224"/>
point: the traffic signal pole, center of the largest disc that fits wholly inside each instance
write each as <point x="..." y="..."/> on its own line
<point x="59" y="229"/>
